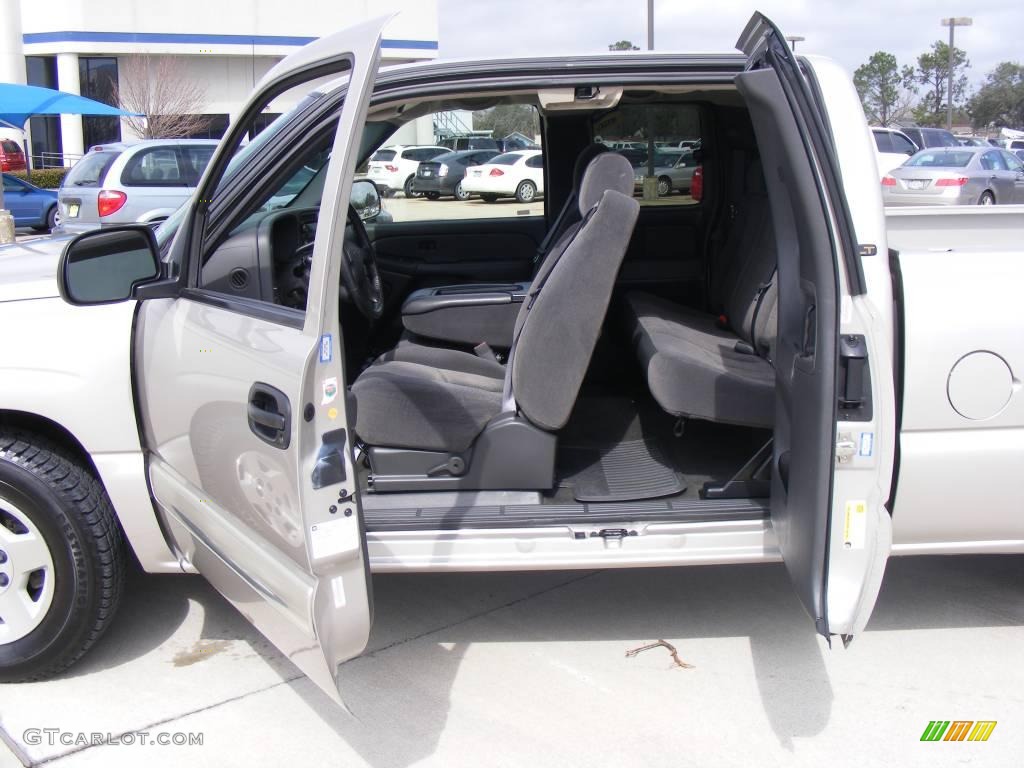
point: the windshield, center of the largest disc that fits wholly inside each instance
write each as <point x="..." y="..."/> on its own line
<point x="940" y="159"/>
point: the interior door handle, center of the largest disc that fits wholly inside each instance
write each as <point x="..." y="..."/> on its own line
<point x="270" y="415"/>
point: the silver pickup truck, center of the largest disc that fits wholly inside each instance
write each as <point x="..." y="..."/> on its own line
<point x="281" y="394"/>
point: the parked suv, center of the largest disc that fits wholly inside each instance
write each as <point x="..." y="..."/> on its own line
<point x="892" y="148"/>
<point x="142" y="182"/>
<point x="458" y="143"/>
<point x="11" y="156"/>
<point x="926" y="138"/>
<point x="393" y="168"/>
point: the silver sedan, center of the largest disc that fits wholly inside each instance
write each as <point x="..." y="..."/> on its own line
<point x="674" y="171"/>
<point x="956" y="176"/>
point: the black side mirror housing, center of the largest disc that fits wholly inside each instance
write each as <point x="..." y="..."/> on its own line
<point x="106" y="266"/>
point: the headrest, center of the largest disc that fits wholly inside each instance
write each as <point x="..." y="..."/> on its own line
<point x="583" y="160"/>
<point x="608" y="170"/>
<point x="755" y="178"/>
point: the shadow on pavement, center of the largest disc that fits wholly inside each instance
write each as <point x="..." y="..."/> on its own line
<point x="399" y="701"/>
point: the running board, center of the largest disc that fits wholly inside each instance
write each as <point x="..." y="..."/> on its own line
<point x="433" y="518"/>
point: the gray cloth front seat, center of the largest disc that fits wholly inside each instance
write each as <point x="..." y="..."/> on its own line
<point x="441" y="399"/>
<point x="698" y="366"/>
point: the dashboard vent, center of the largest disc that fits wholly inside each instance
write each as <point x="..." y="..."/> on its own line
<point x="239" y="279"/>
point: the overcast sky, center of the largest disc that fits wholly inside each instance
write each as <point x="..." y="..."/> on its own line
<point x="846" y="30"/>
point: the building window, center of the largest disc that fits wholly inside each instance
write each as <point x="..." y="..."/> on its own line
<point x="213" y="127"/>
<point x="46" y="148"/>
<point x="98" y="81"/>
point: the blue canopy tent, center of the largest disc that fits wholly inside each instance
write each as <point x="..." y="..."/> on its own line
<point x="20" y="102"/>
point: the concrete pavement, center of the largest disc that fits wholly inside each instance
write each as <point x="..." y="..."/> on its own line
<point x="530" y="669"/>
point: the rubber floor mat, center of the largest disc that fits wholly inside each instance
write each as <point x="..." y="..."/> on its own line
<point x="628" y="471"/>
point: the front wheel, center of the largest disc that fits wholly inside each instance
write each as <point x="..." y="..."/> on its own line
<point x="526" y="191"/>
<point x="664" y="186"/>
<point x="987" y="198"/>
<point x="433" y="195"/>
<point x="460" y="193"/>
<point x="51" y="220"/>
<point x="62" y="559"/>
<point x="489" y="197"/>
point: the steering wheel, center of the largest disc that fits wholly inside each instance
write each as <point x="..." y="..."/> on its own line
<point x="359" y="274"/>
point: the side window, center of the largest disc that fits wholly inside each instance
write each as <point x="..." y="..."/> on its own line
<point x="902" y="144"/>
<point x="1013" y="162"/>
<point x="155" y="167"/>
<point x="10" y="185"/>
<point x="537" y="161"/>
<point x="470" y="186"/>
<point x="196" y="158"/>
<point x="883" y="141"/>
<point x="993" y="161"/>
<point x="634" y="130"/>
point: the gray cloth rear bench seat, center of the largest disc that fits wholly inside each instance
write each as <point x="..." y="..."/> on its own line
<point x="699" y="366"/>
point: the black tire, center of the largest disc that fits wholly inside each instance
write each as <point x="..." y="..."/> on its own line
<point x="407" y="187"/>
<point x="488" y="197"/>
<point x="461" y="194"/>
<point x="664" y="186"/>
<point x="433" y="195"/>
<point x="987" y="198"/>
<point x="51" y="220"/>
<point x="526" y="192"/>
<point x="70" y="509"/>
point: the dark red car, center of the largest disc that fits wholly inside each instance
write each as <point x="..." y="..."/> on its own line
<point x="11" y="156"/>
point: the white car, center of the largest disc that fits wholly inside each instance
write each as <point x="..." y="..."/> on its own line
<point x="892" y="148"/>
<point x="393" y="168"/>
<point x="514" y="174"/>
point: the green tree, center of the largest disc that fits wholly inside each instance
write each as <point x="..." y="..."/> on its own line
<point x="508" y="118"/>
<point x="886" y="89"/>
<point x="932" y="74"/>
<point x="623" y="45"/>
<point x="1000" y="100"/>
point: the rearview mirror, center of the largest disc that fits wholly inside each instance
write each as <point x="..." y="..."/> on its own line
<point x="365" y="199"/>
<point x="104" y="266"/>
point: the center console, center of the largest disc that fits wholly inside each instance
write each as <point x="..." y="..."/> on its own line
<point x="466" y="314"/>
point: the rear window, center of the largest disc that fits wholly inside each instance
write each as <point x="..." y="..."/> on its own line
<point x="940" y="159"/>
<point x="383" y="155"/>
<point x="935" y="137"/>
<point x="90" y="170"/>
<point x="420" y="154"/>
<point x="509" y="158"/>
<point x="10" y="146"/>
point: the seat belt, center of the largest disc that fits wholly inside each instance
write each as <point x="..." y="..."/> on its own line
<point x="545" y="244"/>
<point x="762" y="290"/>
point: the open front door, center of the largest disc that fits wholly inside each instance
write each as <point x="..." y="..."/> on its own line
<point x="833" y="441"/>
<point x="242" y="393"/>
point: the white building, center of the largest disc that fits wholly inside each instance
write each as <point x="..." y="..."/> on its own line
<point x="81" y="46"/>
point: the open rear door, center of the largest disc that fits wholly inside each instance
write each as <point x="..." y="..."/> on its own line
<point x="832" y="458"/>
<point x="248" y="446"/>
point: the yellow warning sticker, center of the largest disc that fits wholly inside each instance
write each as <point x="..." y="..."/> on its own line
<point x="855" y="524"/>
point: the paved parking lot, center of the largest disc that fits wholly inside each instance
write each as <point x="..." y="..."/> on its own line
<point x="530" y="669"/>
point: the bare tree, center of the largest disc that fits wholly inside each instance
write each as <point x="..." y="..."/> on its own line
<point x="169" y="101"/>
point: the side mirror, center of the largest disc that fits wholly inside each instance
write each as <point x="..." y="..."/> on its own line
<point x="104" y="266"/>
<point x="365" y="199"/>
